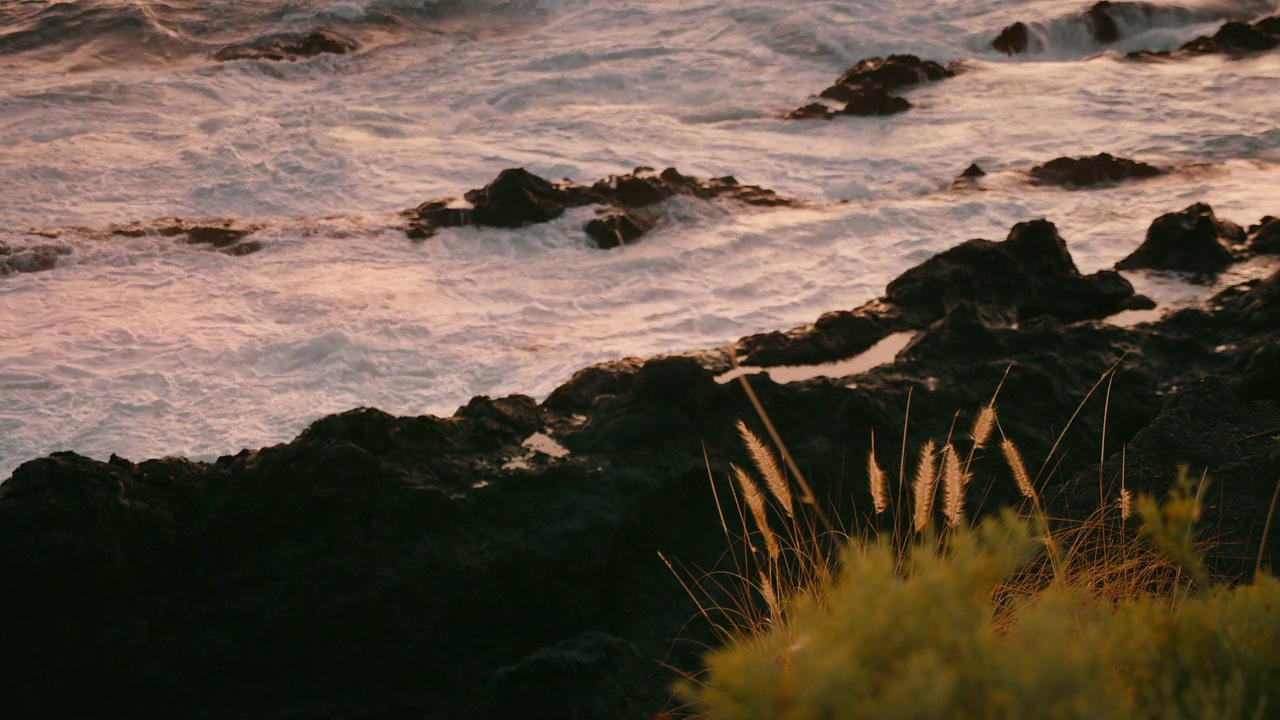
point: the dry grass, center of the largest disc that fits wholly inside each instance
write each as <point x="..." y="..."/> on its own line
<point x="1101" y="567"/>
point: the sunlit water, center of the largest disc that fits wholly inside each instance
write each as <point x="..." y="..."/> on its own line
<point x="146" y="347"/>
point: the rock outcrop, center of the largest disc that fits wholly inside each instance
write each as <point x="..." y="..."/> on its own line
<point x="1233" y="38"/>
<point x="1194" y="240"/>
<point x="1099" y="169"/>
<point x="381" y="566"/>
<point x="517" y="198"/>
<point x="865" y="88"/>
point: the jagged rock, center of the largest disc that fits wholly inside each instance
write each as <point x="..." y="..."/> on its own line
<point x="973" y="171"/>
<point x="811" y="111"/>
<point x="517" y="198"/>
<point x="621" y="227"/>
<point x="1232" y="38"/>
<point x="1090" y="171"/>
<point x="430" y="216"/>
<point x="1264" y="238"/>
<point x="1193" y="240"/>
<point x="1031" y="272"/>
<point x="1012" y="40"/>
<point x="864" y="88"/>
<point x="893" y="72"/>
<point x="289" y="46"/>
<point x="874" y="102"/>
<point x="379" y="566"/>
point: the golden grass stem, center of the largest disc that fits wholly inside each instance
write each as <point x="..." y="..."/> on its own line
<point x="925" y="485"/>
<point x="755" y="503"/>
<point x="1266" y="529"/>
<point x="767" y="464"/>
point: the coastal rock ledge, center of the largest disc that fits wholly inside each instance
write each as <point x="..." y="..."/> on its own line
<point x="503" y="562"/>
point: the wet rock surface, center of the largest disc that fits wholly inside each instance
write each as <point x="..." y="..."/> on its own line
<point x="1099" y="169"/>
<point x="1105" y="24"/>
<point x="388" y="567"/>
<point x="289" y="46"/>
<point x="1232" y="38"/>
<point x="865" y="89"/>
<point x="517" y="198"/>
<point x="1194" y="240"/>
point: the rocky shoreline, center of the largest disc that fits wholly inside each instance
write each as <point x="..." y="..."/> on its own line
<point x="503" y="562"/>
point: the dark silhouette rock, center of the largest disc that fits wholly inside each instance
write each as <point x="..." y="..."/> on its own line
<point x="430" y="216"/>
<point x="1091" y="171"/>
<point x="1193" y="240"/>
<point x="865" y="88"/>
<point x="812" y="111"/>
<point x="875" y="102"/>
<point x="1031" y="273"/>
<point x="1012" y="40"/>
<point x="973" y="171"/>
<point x="382" y="567"/>
<point x="621" y="227"/>
<point x="892" y="73"/>
<point x="1264" y="238"/>
<point x="517" y="198"/>
<point x="289" y="46"/>
<point x="1232" y="38"/>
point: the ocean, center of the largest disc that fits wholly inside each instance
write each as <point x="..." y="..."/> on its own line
<point x="114" y="112"/>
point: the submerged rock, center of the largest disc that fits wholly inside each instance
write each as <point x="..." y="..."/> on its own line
<point x="1090" y="171"/>
<point x="36" y="258"/>
<point x="1193" y="240"/>
<point x="289" y="46"/>
<point x="226" y="236"/>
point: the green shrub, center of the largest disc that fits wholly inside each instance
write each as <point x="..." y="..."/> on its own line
<point x="1019" y="617"/>
<point x="939" y="634"/>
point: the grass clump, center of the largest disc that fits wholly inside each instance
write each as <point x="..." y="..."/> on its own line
<point x="1018" y="616"/>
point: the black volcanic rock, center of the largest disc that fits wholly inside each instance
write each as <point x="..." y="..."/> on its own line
<point x="426" y="567"/>
<point x="873" y="102"/>
<point x="1090" y="171"/>
<point x="1232" y="38"/>
<point x="973" y="171"/>
<point x="1012" y="40"/>
<point x="1193" y="240"/>
<point x="1031" y="273"/>
<point x="517" y="198"/>
<point x="865" y="88"/>
<point x="621" y="227"/>
<point x="1264" y="238"/>
<point x="289" y="46"/>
